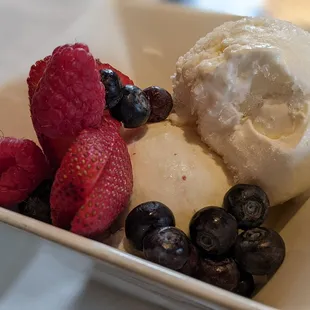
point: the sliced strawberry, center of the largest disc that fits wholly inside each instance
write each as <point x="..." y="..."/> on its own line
<point x="124" y="78"/>
<point x="78" y="174"/>
<point x="95" y="177"/>
<point x="110" y="195"/>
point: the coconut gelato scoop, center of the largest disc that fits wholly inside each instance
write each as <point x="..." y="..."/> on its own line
<point x="246" y="87"/>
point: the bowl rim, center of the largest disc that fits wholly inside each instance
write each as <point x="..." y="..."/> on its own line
<point x="115" y="257"/>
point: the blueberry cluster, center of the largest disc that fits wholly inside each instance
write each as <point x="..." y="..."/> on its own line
<point x="133" y="106"/>
<point x="226" y="246"/>
<point x="37" y="205"/>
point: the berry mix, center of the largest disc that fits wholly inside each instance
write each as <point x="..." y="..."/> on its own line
<point x="81" y="178"/>
<point x="226" y="246"/>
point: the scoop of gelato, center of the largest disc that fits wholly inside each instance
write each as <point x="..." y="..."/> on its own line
<point x="246" y="87"/>
<point x="172" y="165"/>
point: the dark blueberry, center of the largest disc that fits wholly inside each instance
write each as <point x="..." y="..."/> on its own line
<point x="113" y="87"/>
<point x="167" y="246"/>
<point x="259" y="251"/>
<point x="221" y="272"/>
<point x="213" y="230"/>
<point x="246" y="285"/>
<point x="145" y="218"/>
<point x="248" y="204"/>
<point x="160" y="101"/>
<point x="191" y="266"/>
<point x="37" y="205"/>
<point x="133" y="110"/>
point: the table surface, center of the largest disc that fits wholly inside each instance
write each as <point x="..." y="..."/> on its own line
<point x="36" y="275"/>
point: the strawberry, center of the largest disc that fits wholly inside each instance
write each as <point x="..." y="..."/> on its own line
<point x="94" y="181"/>
<point x="69" y="98"/>
<point x="124" y="78"/>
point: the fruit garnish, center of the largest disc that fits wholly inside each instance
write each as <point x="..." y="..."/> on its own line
<point x="161" y="103"/>
<point x="93" y="183"/>
<point x="125" y="80"/>
<point x="259" y="251"/>
<point x="249" y="204"/>
<point x="23" y="167"/>
<point x="133" y="110"/>
<point x="37" y="205"/>
<point x="113" y="87"/>
<point x="145" y="218"/>
<point x="221" y="272"/>
<point x="68" y="99"/>
<point x="213" y="230"/>
<point x="167" y="246"/>
<point x="191" y="266"/>
<point x="35" y="75"/>
<point x="246" y="285"/>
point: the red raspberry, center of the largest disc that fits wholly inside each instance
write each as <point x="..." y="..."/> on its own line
<point x="35" y="75"/>
<point x="22" y="168"/>
<point x="124" y="78"/>
<point x="69" y="98"/>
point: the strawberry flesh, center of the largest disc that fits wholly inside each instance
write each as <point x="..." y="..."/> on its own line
<point x="94" y="181"/>
<point x="109" y="196"/>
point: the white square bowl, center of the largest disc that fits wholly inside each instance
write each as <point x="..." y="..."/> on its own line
<point x="145" y="42"/>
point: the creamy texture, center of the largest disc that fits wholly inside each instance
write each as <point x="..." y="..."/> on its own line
<point x="173" y="166"/>
<point x="246" y="86"/>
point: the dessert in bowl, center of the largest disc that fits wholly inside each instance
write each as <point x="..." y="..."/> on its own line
<point x="97" y="172"/>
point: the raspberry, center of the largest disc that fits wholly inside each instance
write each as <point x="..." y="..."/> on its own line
<point x="35" y="75"/>
<point x="70" y="96"/>
<point x="22" y="168"/>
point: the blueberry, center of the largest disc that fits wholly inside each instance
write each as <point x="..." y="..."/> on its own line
<point x="113" y="87"/>
<point x="160" y="101"/>
<point x="221" y="272"/>
<point x="167" y="246"/>
<point x="145" y="218"/>
<point x="248" y="204"/>
<point x="191" y="266"/>
<point x="133" y="110"/>
<point x="37" y="205"/>
<point x="246" y="285"/>
<point x="259" y="251"/>
<point x="213" y="230"/>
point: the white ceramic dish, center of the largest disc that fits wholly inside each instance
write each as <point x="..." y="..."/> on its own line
<point x="145" y="43"/>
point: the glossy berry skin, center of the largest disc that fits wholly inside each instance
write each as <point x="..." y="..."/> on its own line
<point x="248" y="204"/>
<point x="191" y="266"/>
<point x="246" y="285"/>
<point x="37" y="205"/>
<point x="161" y="103"/>
<point x="167" y="246"/>
<point x="221" y="272"/>
<point x="133" y="110"/>
<point x="113" y="87"/>
<point x="145" y="218"/>
<point x="259" y="251"/>
<point x="213" y="230"/>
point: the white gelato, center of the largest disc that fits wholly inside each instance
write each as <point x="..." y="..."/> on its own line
<point x="247" y="87"/>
